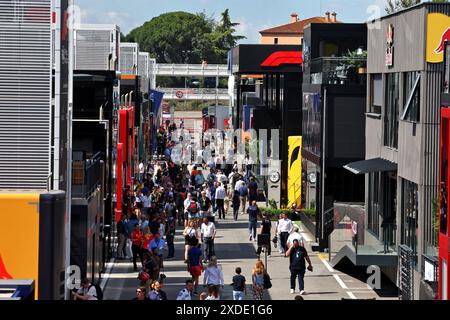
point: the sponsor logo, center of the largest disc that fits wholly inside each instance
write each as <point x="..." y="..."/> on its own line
<point x="438" y="32"/>
<point x="279" y="58"/>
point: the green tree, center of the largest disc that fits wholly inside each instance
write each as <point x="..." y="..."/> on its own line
<point x="181" y="37"/>
<point x="397" y="5"/>
<point x="224" y="37"/>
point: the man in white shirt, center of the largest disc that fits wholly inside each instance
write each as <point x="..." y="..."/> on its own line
<point x="208" y="233"/>
<point x="186" y="204"/>
<point x="186" y="293"/>
<point x="284" y="229"/>
<point x="220" y="197"/>
<point x="145" y="200"/>
<point x="295" y="236"/>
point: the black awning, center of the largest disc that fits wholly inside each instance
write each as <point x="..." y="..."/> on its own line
<point x="371" y="165"/>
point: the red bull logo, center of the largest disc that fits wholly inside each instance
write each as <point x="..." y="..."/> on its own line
<point x="438" y="32"/>
<point x="445" y="37"/>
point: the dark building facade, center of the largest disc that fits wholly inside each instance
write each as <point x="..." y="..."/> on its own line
<point x="334" y="99"/>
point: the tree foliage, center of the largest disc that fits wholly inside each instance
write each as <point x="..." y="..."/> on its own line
<point x="182" y="37"/>
<point x="397" y="5"/>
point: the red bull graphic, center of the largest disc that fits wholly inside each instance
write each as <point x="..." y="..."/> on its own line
<point x="445" y="37"/>
<point x="438" y="32"/>
<point x="4" y="275"/>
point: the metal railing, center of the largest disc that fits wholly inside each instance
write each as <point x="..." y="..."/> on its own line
<point x="195" y="93"/>
<point x="170" y="69"/>
<point x="89" y="177"/>
<point x="338" y="71"/>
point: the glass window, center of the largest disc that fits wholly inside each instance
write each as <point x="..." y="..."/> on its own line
<point x="391" y="115"/>
<point x="373" y="217"/>
<point x="312" y="120"/>
<point x="410" y="203"/>
<point x="411" y="94"/>
<point x="376" y="91"/>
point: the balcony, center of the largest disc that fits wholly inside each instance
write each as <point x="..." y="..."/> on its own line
<point x="338" y="71"/>
<point x="86" y="175"/>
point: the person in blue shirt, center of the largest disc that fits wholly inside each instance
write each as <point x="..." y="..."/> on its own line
<point x="159" y="243"/>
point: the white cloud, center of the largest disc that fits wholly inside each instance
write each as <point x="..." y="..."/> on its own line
<point x="249" y="30"/>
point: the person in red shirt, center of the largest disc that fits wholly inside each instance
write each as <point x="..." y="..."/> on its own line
<point x="147" y="237"/>
<point x="136" y="244"/>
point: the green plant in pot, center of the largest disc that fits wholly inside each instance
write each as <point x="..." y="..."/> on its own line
<point x="357" y="59"/>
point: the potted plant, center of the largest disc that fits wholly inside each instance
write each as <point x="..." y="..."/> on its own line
<point x="357" y="59"/>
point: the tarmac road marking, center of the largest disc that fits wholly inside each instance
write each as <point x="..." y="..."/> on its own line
<point x="351" y="295"/>
<point x="339" y="280"/>
<point x="325" y="262"/>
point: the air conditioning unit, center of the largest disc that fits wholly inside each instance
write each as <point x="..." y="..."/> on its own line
<point x="97" y="47"/>
<point x="129" y="52"/>
<point x="25" y="93"/>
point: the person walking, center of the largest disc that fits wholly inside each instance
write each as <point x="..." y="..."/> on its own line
<point x="295" y="236"/>
<point x="205" y="206"/>
<point x="213" y="275"/>
<point x="284" y="229"/>
<point x="170" y="236"/>
<point x="253" y="214"/>
<point x="190" y="235"/>
<point x="136" y="245"/>
<point x="252" y="190"/>
<point x="258" y="273"/>
<point x="122" y="238"/>
<point x="195" y="263"/>
<point x="220" y="197"/>
<point x="208" y="233"/>
<point x="236" y="203"/>
<point x="297" y="266"/>
<point x="266" y="227"/>
<point x="186" y="292"/>
<point x="186" y="203"/>
<point x="243" y="194"/>
<point x="239" y="286"/>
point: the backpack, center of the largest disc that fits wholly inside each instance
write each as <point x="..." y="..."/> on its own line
<point x="193" y="208"/>
<point x="98" y="290"/>
<point x="243" y="192"/>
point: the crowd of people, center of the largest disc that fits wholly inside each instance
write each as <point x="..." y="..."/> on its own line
<point x="168" y="196"/>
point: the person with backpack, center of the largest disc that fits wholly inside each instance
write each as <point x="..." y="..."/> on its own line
<point x="194" y="209"/>
<point x="243" y="193"/>
<point x="88" y="291"/>
<point x="266" y="227"/>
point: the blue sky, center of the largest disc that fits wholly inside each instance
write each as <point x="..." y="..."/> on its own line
<point x="254" y="15"/>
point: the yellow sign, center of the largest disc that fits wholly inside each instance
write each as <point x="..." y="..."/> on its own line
<point x="438" y="31"/>
<point x="295" y="171"/>
<point x="19" y="236"/>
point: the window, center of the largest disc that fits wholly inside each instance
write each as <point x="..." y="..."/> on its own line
<point x="275" y="41"/>
<point x="410" y="203"/>
<point x="312" y="121"/>
<point x="411" y="94"/>
<point x="373" y="217"/>
<point x="391" y="114"/>
<point x="376" y="93"/>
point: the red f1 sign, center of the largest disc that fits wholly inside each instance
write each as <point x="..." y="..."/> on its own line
<point x="276" y="59"/>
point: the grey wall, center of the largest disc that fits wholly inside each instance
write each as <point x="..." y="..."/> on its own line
<point x="409" y="42"/>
